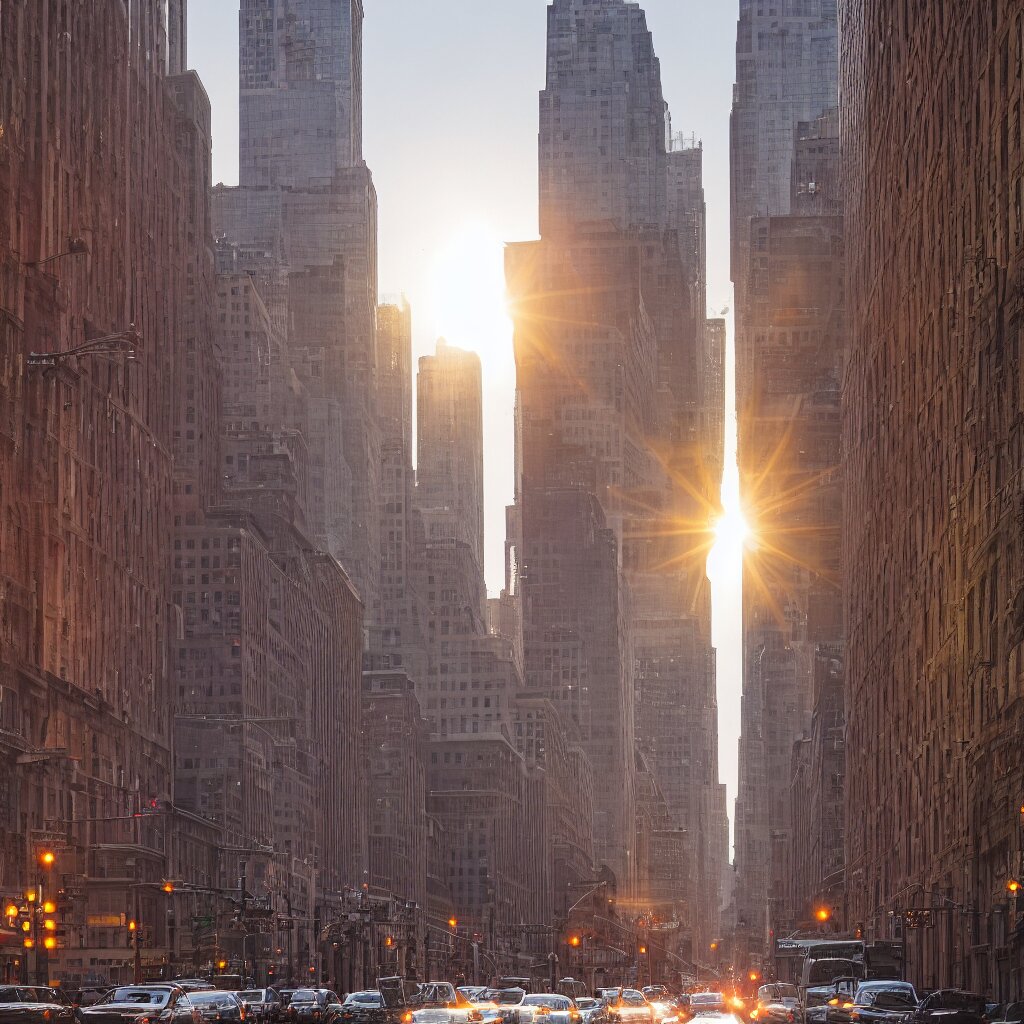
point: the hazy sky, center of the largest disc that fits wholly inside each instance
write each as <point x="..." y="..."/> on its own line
<point x="451" y="120"/>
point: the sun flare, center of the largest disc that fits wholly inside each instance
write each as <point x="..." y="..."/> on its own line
<point x="470" y="308"/>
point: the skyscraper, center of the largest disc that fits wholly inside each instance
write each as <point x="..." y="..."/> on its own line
<point x="306" y="197"/>
<point x="787" y="71"/>
<point x="450" y="447"/>
<point x="611" y="487"/>
<point x="300" y="97"/>
<point x="603" y="119"/>
<point x="787" y="270"/>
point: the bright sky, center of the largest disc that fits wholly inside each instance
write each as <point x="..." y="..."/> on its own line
<point x="450" y="121"/>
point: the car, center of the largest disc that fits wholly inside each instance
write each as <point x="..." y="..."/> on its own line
<point x="219" y="1006"/>
<point x="591" y="1010"/>
<point x="776" y="1003"/>
<point x="884" y="1006"/>
<point x="434" y="1002"/>
<point x="508" y="1001"/>
<point x="548" y="1009"/>
<point x="262" y="1004"/>
<point x="34" y="1004"/>
<point x="814" y="1006"/>
<point x="1011" y="1013"/>
<point x="314" y="1006"/>
<point x="842" y="1009"/>
<point x="365" y="1007"/>
<point x="949" y="1006"/>
<point x="704" y="1003"/>
<point x="142" y="1004"/>
<point x="628" y="1005"/>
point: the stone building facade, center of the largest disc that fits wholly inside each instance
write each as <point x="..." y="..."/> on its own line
<point x="613" y="471"/>
<point x="933" y="179"/>
<point x="87" y="444"/>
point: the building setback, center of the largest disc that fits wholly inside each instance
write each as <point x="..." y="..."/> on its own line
<point x="932" y="153"/>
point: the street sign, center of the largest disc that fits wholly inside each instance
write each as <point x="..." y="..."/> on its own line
<point x="51" y="838"/>
<point x="285" y="924"/>
<point x="105" y="920"/>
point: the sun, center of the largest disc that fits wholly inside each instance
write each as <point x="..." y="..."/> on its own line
<point x="470" y="308"/>
<point x="732" y="530"/>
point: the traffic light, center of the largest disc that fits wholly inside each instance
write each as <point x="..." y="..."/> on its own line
<point x="575" y="941"/>
<point x="221" y="964"/>
<point x="27" y="943"/>
<point x="714" y="947"/>
<point x="26" y="926"/>
<point x="11" y="911"/>
<point x="49" y="942"/>
<point x="389" y="941"/>
<point x="168" y="887"/>
<point x="823" y="914"/>
<point x="643" y="950"/>
<point x="453" y="923"/>
<point x="49" y="907"/>
<point x="1013" y="886"/>
<point x="754" y="976"/>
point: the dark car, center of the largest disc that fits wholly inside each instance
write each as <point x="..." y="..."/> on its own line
<point x="949" y="1006"/>
<point x="862" y="1006"/>
<point x="366" y="1007"/>
<point x="314" y="1006"/>
<point x="884" y="1006"/>
<point x="142" y="1004"/>
<point x="34" y="1004"/>
<point x="219" y="1006"/>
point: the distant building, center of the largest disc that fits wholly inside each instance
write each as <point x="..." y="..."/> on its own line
<point x="450" y="448"/>
<point x="787" y="268"/>
<point x="787" y="72"/>
<point x="603" y="119"/>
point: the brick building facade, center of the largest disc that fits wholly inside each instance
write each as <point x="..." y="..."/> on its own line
<point x="933" y="178"/>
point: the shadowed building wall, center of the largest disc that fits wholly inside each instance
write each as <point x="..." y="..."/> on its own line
<point x="934" y="434"/>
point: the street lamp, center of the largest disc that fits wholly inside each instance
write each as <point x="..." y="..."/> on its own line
<point x="77" y="246"/>
<point x="127" y="341"/>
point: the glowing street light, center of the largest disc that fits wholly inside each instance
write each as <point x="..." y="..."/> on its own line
<point x="1013" y="886"/>
<point x="823" y="914"/>
<point x="47" y="858"/>
<point x="453" y="923"/>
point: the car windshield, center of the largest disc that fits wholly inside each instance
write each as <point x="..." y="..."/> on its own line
<point x="252" y="997"/>
<point x="211" y="999"/>
<point x="957" y="1001"/>
<point x="24" y="995"/>
<point x="364" y="997"/>
<point x="509" y="996"/>
<point x="707" y="998"/>
<point x="586" y="1003"/>
<point x="139" y="996"/>
<point x="778" y="992"/>
<point x="304" y="995"/>
<point x="551" y="1002"/>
